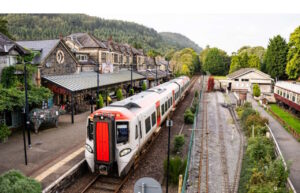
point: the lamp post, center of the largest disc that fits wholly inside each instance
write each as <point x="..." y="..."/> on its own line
<point x="97" y="71"/>
<point x="131" y="76"/>
<point x="26" y="106"/>
<point x="169" y="125"/>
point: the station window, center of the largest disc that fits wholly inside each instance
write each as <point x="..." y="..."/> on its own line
<point x="136" y="132"/>
<point x="153" y="119"/>
<point x="122" y="132"/>
<point x="148" y="124"/>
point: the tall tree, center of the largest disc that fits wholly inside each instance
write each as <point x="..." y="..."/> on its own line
<point x="254" y="61"/>
<point x="216" y="62"/>
<point x="293" y="57"/>
<point x="275" y="57"/>
<point x="235" y="63"/>
<point x="4" y="29"/>
<point x="185" y="62"/>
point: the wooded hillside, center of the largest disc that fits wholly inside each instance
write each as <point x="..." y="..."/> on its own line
<point x="49" y="26"/>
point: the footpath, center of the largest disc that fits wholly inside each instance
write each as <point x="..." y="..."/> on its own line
<point x="289" y="146"/>
<point x="54" y="151"/>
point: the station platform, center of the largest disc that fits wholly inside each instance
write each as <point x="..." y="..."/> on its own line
<point x="54" y="151"/>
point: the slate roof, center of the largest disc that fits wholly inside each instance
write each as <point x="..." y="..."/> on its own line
<point x="243" y="71"/>
<point x="86" y="40"/>
<point x="6" y="45"/>
<point x="43" y="46"/>
<point x="151" y="73"/>
<point x="294" y="87"/>
<point x="88" y="80"/>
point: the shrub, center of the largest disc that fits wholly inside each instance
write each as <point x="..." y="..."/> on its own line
<point x="178" y="143"/>
<point x="100" y="102"/>
<point x="256" y="90"/>
<point x="260" y="150"/>
<point x="14" y="181"/>
<point x="131" y="92"/>
<point x="194" y="105"/>
<point x="254" y="120"/>
<point x="144" y="86"/>
<point x="188" y="116"/>
<point x="4" y="131"/>
<point x="196" y="94"/>
<point x="247" y="105"/>
<point x="119" y="94"/>
<point x="210" y="84"/>
<point x="176" y="167"/>
<point x="246" y="113"/>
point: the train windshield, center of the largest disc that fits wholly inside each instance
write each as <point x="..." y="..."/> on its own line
<point x="122" y="132"/>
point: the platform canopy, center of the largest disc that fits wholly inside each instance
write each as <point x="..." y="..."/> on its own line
<point x="88" y="80"/>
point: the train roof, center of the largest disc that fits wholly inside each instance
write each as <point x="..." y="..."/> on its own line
<point x="291" y="86"/>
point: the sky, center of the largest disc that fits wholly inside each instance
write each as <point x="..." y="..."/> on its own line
<point x="227" y="25"/>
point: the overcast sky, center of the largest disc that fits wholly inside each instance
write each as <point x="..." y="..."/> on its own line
<point x="226" y="24"/>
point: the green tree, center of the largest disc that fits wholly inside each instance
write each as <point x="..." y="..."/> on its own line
<point x="100" y="101"/>
<point x="184" y="62"/>
<point x="293" y="56"/>
<point x="119" y="94"/>
<point x="4" y="29"/>
<point x="235" y="63"/>
<point x="275" y="57"/>
<point x="256" y="90"/>
<point x="144" y="86"/>
<point x="254" y="62"/>
<point x="216" y="62"/>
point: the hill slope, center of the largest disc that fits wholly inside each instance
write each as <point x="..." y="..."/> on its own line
<point x="179" y="40"/>
<point x="49" y="26"/>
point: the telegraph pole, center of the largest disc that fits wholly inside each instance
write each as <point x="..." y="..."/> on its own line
<point x="26" y="106"/>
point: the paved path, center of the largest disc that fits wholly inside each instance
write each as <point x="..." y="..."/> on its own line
<point x="289" y="146"/>
<point x="49" y="146"/>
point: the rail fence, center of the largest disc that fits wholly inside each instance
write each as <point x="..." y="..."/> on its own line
<point x="184" y="184"/>
<point x="278" y="153"/>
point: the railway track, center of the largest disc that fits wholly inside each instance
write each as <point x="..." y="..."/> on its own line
<point x="234" y="187"/>
<point x="108" y="184"/>
<point x="224" y="165"/>
<point x="204" y="155"/>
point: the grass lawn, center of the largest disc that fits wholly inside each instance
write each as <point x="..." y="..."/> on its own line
<point x="220" y="77"/>
<point x="291" y="120"/>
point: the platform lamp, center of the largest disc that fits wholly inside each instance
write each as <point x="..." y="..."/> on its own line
<point x="97" y="71"/>
<point x="169" y="124"/>
<point x="27" y="127"/>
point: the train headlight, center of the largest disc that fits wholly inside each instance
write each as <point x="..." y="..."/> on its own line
<point x="125" y="152"/>
<point x="88" y="148"/>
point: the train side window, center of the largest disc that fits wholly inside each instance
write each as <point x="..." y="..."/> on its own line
<point x="287" y="95"/>
<point x="140" y="125"/>
<point x="148" y="124"/>
<point x="136" y="132"/>
<point x="153" y="119"/>
<point x="293" y="98"/>
<point x="166" y="106"/>
<point x="122" y="132"/>
<point x="90" y="129"/>
<point x="162" y="109"/>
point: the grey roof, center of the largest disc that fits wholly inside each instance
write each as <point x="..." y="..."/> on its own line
<point x="151" y="73"/>
<point x="291" y="86"/>
<point x="43" y="46"/>
<point x="7" y="44"/>
<point x="243" y="71"/>
<point x="88" y="80"/>
<point x="86" y="40"/>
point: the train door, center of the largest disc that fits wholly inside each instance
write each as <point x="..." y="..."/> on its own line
<point x="158" y="115"/>
<point x="173" y="98"/>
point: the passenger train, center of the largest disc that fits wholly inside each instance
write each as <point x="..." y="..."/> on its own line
<point x="288" y="93"/>
<point x="116" y="134"/>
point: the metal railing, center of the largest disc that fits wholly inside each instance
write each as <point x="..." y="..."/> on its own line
<point x="279" y="153"/>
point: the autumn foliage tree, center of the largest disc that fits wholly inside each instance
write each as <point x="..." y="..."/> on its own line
<point x="210" y="84"/>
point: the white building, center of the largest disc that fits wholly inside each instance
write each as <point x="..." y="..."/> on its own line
<point x="243" y="80"/>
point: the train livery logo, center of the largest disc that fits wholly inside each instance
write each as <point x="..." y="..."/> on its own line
<point x="60" y="57"/>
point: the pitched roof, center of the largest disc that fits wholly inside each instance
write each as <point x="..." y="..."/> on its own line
<point x="151" y="73"/>
<point x="88" y="80"/>
<point x="86" y="40"/>
<point x="243" y="71"/>
<point x="6" y="45"/>
<point x="43" y="46"/>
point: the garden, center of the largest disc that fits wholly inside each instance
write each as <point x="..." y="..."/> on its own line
<point x="261" y="170"/>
